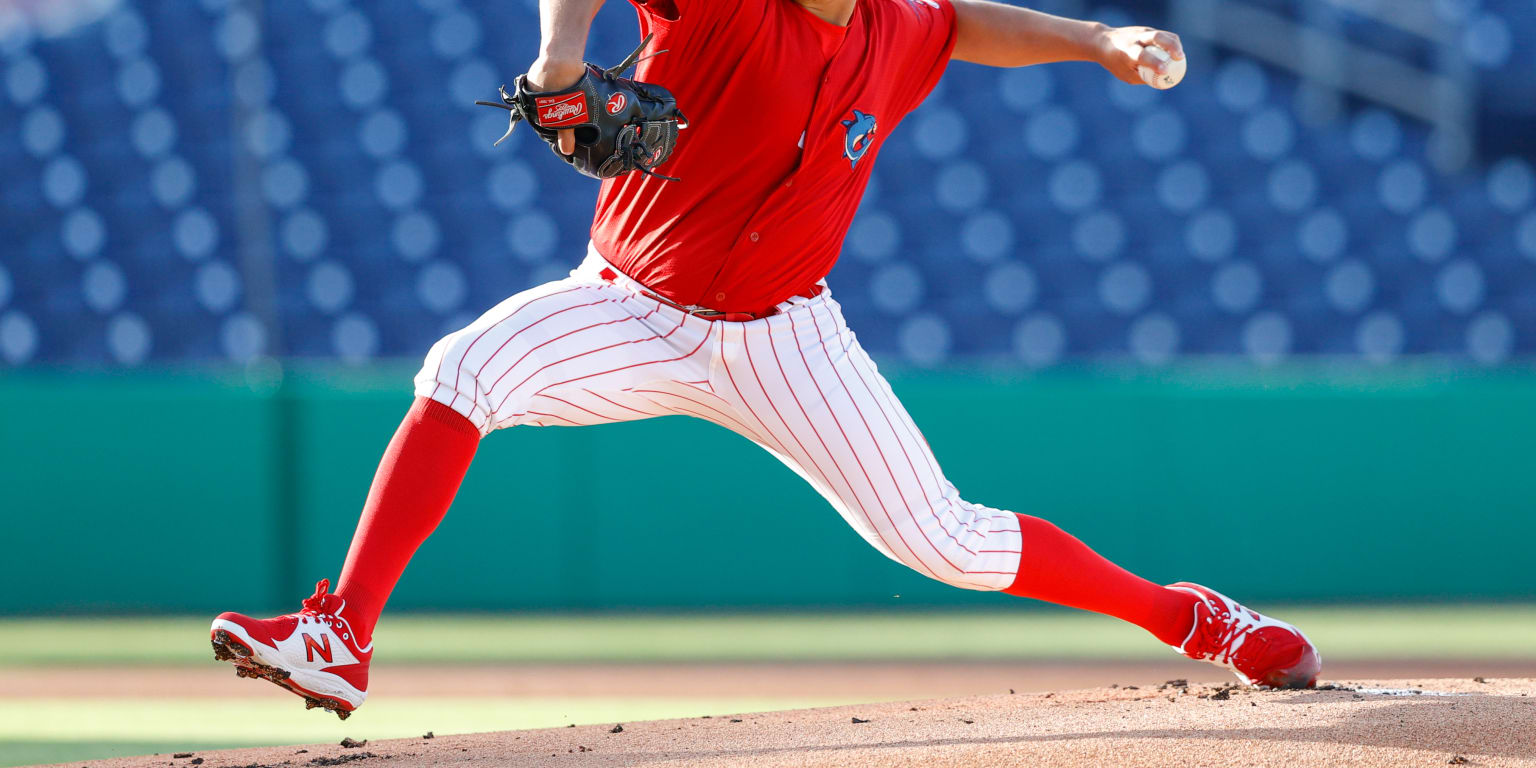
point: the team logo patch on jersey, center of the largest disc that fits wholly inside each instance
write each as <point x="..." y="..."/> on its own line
<point x="616" y="103"/>
<point x="561" y="111"/>
<point x="861" y="135"/>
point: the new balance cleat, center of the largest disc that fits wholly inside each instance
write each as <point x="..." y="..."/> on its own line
<point x="1259" y="650"/>
<point x="313" y="653"/>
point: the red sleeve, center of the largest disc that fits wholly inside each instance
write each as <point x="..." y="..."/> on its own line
<point x="663" y="10"/>
<point x="697" y="31"/>
<point x="932" y="39"/>
<point x="666" y="11"/>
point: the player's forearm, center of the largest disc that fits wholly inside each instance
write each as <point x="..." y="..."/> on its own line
<point x="1001" y="35"/>
<point x="563" y="28"/>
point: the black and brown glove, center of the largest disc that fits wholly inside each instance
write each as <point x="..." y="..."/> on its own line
<point x="620" y="125"/>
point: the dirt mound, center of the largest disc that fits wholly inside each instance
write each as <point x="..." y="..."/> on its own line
<point x="1423" y="722"/>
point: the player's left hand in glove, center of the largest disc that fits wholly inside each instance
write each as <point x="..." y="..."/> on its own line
<point x="620" y="125"/>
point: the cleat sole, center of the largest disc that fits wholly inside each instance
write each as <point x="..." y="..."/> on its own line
<point x="227" y="647"/>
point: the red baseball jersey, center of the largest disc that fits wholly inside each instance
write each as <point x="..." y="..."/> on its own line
<point x="786" y="115"/>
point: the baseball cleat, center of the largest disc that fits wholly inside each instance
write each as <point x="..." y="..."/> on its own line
<point x="1259" y="650"/>
<point x="312" y="653"/>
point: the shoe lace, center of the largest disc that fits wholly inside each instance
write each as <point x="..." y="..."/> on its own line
<point x="315" y="605"/>
<point x="1237" y="624"/>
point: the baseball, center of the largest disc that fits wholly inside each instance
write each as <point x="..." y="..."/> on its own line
<point x="1170" y="78"/>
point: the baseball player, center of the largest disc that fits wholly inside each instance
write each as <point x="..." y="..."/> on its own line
<point x="731" y="167"/>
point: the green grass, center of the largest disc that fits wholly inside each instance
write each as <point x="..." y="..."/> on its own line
<point x="34" y="730"/>
<point x="67" y="730"/>
<point x="1479" y="632"/>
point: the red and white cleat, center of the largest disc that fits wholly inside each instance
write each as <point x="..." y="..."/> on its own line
<point x="313" y="653"/>
<point x="1260" y="650"/>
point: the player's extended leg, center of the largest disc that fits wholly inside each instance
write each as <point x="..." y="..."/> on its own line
<point x="817" y="401"/>
<point x="578" y="351"/>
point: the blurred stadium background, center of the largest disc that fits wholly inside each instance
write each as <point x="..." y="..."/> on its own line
<point x="1271" y="330"/>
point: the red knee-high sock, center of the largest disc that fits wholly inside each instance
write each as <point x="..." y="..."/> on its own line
<point x="1057" y="568"/>
<point x="412" y="490"/>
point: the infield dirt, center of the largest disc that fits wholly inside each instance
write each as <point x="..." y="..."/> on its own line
<point x="1368" y="723"/>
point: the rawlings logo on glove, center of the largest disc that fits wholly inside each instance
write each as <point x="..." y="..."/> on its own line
<point x="621" y="125"/>
<point x="562" y="111"/>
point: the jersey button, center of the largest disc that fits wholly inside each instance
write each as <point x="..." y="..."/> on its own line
<point x="752" y="237"/>
<point x="720" y="297"/>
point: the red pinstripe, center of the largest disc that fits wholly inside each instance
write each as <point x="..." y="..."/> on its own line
<point x="547" y="366"/>
<point x="742" y="428"/>
<point x="726" y="403"/>
<point x="577" y="407"/>
<point x="685" y="356"/>
<point x="876" y="491"/>
<point x="704" y="403"/>
<point x="553" y="416"/>
<point x="477" y="339"/>
<point x="906" y="420"/>
<point x="889" y="399"/>
<point x="621" y="405"/>
<point x="774" y="442"/>
<point x="917" y="436"/>
<point x="537" y="322"/>
<point x="885" y="461"/>
<point x="810" y="460"/>
<point x="710" y="392"/>
<point x="881" y="451"/>
<point x="531" y="350"/>
<point x="882" y="402"/>
<point x="997" y="514"/>
<point x="679" y="410"/>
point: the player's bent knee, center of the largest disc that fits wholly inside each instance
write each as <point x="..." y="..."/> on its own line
<point x="969" y="547"/>
<point x="967" y="574"/>
<point x="443" y="377"/>
<point x="479" y="370"/>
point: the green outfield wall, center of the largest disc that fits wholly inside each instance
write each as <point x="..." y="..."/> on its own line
<point x="207" y="490"/>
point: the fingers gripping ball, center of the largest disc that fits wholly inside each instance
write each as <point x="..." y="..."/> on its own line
<point x="621" y="125"/>
<point x="1173" y="69"/>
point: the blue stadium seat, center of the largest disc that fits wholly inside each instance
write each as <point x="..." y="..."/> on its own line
<point x="1084" y="219"/>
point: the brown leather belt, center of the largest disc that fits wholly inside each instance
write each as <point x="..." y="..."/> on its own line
<point x="705" y="312"/>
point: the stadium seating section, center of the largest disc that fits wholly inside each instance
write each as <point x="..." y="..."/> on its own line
<point x="1039" y="216"/>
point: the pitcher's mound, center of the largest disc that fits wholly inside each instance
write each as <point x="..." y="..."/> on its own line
<point x="1371" y="723"/>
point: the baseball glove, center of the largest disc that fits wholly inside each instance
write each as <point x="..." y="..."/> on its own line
<point x="621" y="125"/>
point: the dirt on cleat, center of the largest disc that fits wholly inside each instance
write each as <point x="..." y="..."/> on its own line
<point x="225" y="644"/>
<point x="333" y="707"/>
<point x="227" y="648"/>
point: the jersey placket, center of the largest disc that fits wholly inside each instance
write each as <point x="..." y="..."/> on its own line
<point x="825" y="110"/>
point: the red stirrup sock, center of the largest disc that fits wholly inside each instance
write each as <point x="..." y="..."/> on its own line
<point x="1057" y="568"/>
<point x="416" y="482"/>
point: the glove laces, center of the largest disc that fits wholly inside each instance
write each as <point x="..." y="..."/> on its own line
<point x="636" y="152"/>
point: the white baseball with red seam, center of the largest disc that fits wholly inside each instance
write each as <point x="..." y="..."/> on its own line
<point x="1173" y="69"/>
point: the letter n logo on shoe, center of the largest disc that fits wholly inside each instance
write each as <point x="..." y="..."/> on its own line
<point x="323" y="648"/>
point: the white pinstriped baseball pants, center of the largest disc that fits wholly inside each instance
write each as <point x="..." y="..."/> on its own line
<point x="585" y="350"/>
